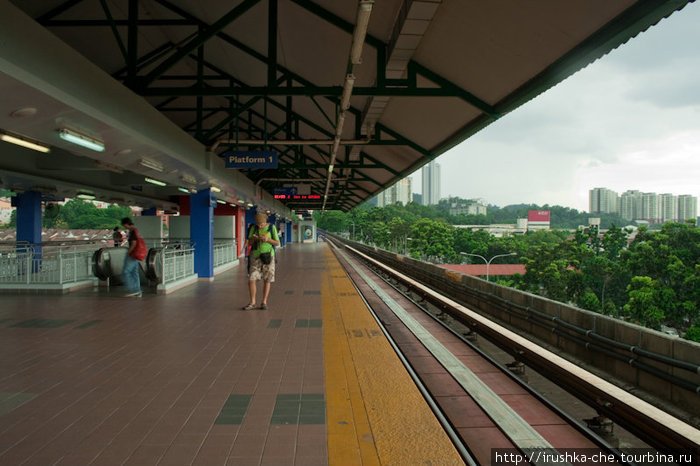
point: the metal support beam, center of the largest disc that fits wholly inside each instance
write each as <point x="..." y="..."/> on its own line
<point x="57" y="11"/>
<point x="132" y="54"/>
<point x="198" y="41"/>
<point x="271" y="42"/>
<point x="327" y="91"/>
<point x="115" y="31"/>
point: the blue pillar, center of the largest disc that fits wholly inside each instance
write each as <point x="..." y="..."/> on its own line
<point x="28" y="206"/>
<point x="202" y="232"/>
<point x="249" y="219"/>
<point x="282" y="232"/>
<point x="272" y="220"/>
<point x="288" y="235"/>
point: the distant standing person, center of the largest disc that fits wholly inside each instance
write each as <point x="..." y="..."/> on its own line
<point x="130" y="273"/>
<point x="117" y="237"/>
<point x="263" y="239"/>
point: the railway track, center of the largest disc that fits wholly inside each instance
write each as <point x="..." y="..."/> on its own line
<point x="484" y="407"/>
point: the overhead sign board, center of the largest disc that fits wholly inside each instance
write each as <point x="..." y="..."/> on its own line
<point x="250" y="159"/>
<point x="286" y="191"/>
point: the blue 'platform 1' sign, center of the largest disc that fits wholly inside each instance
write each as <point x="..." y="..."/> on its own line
<point x="250" y="159"/>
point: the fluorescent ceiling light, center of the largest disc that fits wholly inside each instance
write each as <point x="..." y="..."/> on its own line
<point x="250" y="205"/>
<point x="241" y="201"/>
<point x="220" y="201"/>
<point x="188" y="178"/>
<point x="216" y="189"/>
<point x="81" y="140"/>
<point x="23" y="143"/>
<point x="152" y="164"/>
<point x="156" y="182"/>
<point x="86" y="196"/>
<point x="183" y="190"/>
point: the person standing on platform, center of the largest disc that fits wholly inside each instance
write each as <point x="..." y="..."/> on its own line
<point x="117" y="237"/>
<point x="137" y="248"/>
<point x="263" y="239"/>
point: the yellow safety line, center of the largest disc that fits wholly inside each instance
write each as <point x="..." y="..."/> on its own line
<point x="374" y="412"/>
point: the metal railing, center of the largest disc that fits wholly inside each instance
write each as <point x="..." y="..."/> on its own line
<point x="224" y="252"/>
<point x="177" y="263"/>
<point x="26" y="264"/>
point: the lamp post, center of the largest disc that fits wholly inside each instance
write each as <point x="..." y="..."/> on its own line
<point x="488" y="262"/>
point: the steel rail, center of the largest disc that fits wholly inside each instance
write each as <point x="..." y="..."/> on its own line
<point x="544" y="400"/>
<point x="649" y="423"/>
<point x="444" y="422"/>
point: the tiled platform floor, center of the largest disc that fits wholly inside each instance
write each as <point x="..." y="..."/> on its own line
<point x="93" y="378"/>
<point x="188" y="378"/>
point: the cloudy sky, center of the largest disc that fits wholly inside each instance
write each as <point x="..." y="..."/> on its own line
<point x="630" y="120"/>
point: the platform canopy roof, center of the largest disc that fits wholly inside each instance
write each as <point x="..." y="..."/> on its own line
<point x="351" y="95"/>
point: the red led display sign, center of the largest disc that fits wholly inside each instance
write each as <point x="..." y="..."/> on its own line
<point x="297" y="196"/>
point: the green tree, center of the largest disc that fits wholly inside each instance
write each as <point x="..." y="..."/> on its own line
<point x="643" y="303"/>
<point x="693" y="333"/>
<point x="590" y="301"/>
<point x="432" y="239"/>
<point x="331" y="220"/>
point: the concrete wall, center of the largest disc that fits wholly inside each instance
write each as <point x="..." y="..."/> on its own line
<point x="179" y="227"/>
<point x="150" y="228"/>
<point x="478" y="295"/>
<point x="224" y="227"/>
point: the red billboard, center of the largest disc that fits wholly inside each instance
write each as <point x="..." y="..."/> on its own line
<point x="538" y="216"/>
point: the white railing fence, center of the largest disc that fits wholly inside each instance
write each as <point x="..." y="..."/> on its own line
<point x="48" y="265"/>
<point x="224" y="252"/>
<point x="177" y="263"/>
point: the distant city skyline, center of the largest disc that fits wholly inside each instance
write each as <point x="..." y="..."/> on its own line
<point x="630" y="120"/>
<point x="648" y="206"/>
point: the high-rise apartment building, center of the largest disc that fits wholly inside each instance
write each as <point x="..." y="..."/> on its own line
<point x="669" y="207"/>
<point x="631" y="205"/>
<point x="687" y="207"/>
<point x="399" y="192"/>
<point x="602" y="200"/>
<point x="431" y="183"/>
<point x="652" y="207"/>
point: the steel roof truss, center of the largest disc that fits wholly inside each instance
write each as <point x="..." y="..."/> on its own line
<point x="198" y="41"/>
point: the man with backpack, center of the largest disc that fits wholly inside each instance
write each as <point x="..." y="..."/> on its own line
<point x="135" y="254"/>
<point x="262" y="238"/>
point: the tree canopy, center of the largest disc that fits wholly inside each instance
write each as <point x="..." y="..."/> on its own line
<point x="79" y="214"/>
<point x="650" y="277"/>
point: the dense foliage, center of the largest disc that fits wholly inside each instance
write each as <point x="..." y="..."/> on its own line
<point x="78" y="214"/>
<point x="647" y="277"/>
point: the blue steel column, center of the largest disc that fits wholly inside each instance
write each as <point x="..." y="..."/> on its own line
<point x="202" y="232"/>
<point x="283" y="233"/>
<point x="288" y="235"/>
<point x="272" y="220"/>
<point x="28" y="206"/>
<point x="249" y="219"/>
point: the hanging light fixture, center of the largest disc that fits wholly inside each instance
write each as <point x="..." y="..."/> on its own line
<point x="81" y="140"/>
<point x="23" y="142"/>
<point x="155" y="182"/>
